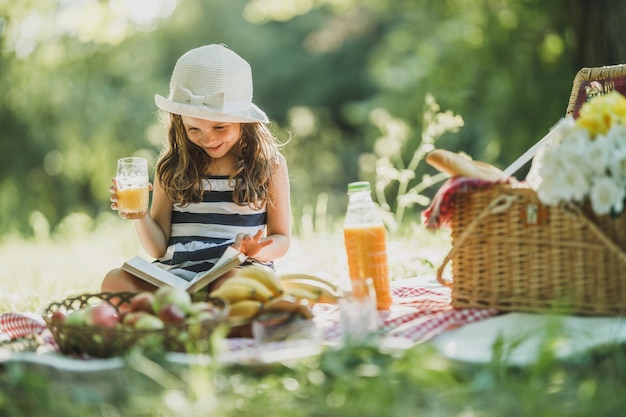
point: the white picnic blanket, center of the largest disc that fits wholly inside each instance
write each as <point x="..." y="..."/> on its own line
<point x="524" y="337"/>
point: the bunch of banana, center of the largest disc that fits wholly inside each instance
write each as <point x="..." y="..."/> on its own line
<point x="248" y="290"/>
<point x="253" y="289"/>
<point x="310" y="287"/>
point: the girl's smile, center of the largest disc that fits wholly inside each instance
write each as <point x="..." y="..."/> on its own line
<point x="213" y="148"/>
<point x="216" y="138"/>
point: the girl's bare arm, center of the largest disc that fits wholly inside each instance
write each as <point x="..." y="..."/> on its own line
<point x="278" y="216"/>
<point x="154" y="229"/>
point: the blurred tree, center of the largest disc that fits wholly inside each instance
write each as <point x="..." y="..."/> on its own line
<point x="599" y="28"/>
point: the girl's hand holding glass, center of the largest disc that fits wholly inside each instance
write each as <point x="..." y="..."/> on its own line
<point x="130" y="192"/>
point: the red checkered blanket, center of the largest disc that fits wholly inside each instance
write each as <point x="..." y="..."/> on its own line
<point x="417" y="315"/>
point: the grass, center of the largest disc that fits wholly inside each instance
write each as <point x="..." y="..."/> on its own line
<point x="46" y="268"/>
<point x="354" y="381"/>
<point x="74" y="260"/>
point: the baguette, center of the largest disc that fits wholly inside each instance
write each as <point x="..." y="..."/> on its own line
<point x="458" y="165"/>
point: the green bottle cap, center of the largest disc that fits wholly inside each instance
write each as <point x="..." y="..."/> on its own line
<point x="359" y="186"/>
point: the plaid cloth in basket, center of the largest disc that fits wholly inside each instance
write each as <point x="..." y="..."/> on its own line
<point x="439" y="213"/>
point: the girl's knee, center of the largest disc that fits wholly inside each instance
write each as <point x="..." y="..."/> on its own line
<point x="112" y="281"/>
<point x="118" y="280"/>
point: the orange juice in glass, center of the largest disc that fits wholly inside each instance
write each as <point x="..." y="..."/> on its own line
<point x="132" y="184"/>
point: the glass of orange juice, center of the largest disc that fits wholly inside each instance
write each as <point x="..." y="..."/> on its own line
<point x="358" y="318"/>
<point x="132" y="184"/>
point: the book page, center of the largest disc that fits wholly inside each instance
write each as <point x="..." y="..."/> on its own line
<point x="153" y="274"/>
<point x="229" y="260"/>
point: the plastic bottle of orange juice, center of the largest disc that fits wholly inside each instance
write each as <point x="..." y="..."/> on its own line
<point x="365" y="240"/>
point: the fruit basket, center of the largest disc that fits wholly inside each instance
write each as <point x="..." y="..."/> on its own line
<point x="100" y="341"/>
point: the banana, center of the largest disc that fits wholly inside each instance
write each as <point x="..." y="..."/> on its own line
<point x="258" y="291"/>
<point x="322" y="293"/>
<point x="264" y="276"/>
<point x="244" y="309"/>
<point x="290" y="304"/>
<point x="233" y="292"/>
<point x="303" y="294"/>
<point x="288" y="277"/>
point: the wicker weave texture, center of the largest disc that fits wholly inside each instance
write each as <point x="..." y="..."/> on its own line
<point x="512" y="253"/>
<point x="587" y="75"/>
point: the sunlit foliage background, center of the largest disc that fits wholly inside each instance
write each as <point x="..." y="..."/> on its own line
<point x="345" y="82"/>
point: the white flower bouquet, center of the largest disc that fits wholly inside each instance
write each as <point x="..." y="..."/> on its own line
<point x="587" y="160"/>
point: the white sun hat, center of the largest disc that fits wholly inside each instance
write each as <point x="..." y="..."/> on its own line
<point x="213" y="83"/>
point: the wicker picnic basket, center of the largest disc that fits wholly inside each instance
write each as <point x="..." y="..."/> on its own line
<point x="512" y="253"/>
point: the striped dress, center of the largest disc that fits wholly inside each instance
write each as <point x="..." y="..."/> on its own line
<point x="201" y="232"/>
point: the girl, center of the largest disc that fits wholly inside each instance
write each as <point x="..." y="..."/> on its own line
<point x="220" y="181"/>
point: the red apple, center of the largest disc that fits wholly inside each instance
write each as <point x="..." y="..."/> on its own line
<point x="169" y="295"/>
<point x="102" y="315"/>
<point x="172" y="314"/>
<point x="58" y="316"/>
<point x="142" y="302"/>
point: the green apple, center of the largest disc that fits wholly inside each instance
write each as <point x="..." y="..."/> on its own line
<point x="168" y="295"/>
<point x="129" y="318"/>
<point x="76" y="318"/>
<point x="202" y="310"/>
<point x="201" y="316"/>
<point x="147" y="321"/>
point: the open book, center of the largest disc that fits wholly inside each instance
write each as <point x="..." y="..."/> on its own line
<point x="160" y="277"/>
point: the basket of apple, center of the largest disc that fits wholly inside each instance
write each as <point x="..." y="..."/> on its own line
<point x="110" y="324"/>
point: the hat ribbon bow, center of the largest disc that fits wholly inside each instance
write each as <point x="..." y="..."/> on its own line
<point x="184" y="95"/>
